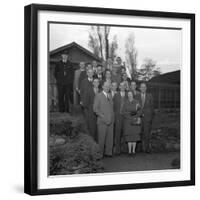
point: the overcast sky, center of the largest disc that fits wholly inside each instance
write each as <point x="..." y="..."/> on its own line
<point x="161" y="45"/>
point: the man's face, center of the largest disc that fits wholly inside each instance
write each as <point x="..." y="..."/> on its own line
<point x="82" y="65"/>
<point x="124" y="76"/>
<point x="106" y="87"/>
<point x="108" y="74"/>
<point x="64" y="57"/>
<point x="90" y="73"/>
<point x="99" y="70"/>
<point x="96" y="83"/>
<point x="119" y="60"/>
<point x="130" y="95"/>
<point x="94" y="63"/>
<point x="133" y="85"/>
<point x="123" y="71"/>
<point x="114" y="86"/>
<point x="89" y="66"/>
<point x="122" y="87"/>
<point x="143" y="88"/>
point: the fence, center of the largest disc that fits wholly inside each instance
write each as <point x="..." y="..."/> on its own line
<point x="165" y="96"/>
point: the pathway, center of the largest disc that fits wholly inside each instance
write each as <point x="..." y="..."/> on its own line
<point x="139" y="162"/>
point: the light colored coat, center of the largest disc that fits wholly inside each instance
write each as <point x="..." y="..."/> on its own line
<point x="104" y="109"/>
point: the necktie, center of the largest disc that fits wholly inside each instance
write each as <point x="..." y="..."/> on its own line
<point x="107" y="97"/>
<point x="143" y="99"/>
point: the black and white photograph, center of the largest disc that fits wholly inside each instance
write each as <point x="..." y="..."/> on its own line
<point x="109" y="99"/>
<point x="114" y="98"/>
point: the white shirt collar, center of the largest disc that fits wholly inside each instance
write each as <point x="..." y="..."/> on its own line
<point x="122" y="93"/>
<point x="106" y="94"/>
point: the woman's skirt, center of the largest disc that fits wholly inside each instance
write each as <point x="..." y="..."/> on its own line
<point x="131" y="131"/>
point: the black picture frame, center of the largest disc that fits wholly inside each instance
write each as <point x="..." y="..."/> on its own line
<point x="31" y="98"/>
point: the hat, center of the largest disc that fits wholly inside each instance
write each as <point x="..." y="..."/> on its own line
<point x="65" y="53"/>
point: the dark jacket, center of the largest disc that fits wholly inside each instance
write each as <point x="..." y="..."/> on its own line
<point x="85" y="86"/>
<point x="118" y="103"/>
<point x="83" y="75"/>
<point x="148" y="109"/>
<point x="64" y="73"/>
<point x="89" y="98"/>
<point x="101" y="80"/>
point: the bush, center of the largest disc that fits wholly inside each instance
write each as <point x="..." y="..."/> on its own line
<point x="72" y="151"/>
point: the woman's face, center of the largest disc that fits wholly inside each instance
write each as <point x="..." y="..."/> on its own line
<point x="130" y="96"/>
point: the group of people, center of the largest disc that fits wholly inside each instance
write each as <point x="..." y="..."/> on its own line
<point x="112" y="106"/>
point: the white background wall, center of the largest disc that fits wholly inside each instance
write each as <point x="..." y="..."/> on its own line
<point x="11" y="99"/>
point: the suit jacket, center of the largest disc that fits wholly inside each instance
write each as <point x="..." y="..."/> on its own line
<point x="100" y="79"/>
<point x="147" y="110"/>
<point x="89" y="99"/>
<point x="136" y="95"/>
<point x="85" y="87"/>
<point x="64" y="73"/>
<point x="118" y="103"/>
<point x="116" y="78"/>
<point x="104" y="109"/>
<point x="83" y="75"/>
<point x="76" y="78"/>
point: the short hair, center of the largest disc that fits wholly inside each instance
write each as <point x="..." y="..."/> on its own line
<point x="143" y="84"/>
<point x="114" y="82"/>
<point x="95" y="78"/>
<point x="130" y="92"/>
<point x="65" y="53"/>
<point x="99" y="65"/>
<point x="122" y="83"/>
<point x="123" y="68"/>
<point x="88" y="64"/>
<point x="107" y="70"/>
<point x="133" y="81"/>
<point x="124" y="74"/>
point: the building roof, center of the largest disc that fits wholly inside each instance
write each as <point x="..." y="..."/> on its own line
<point x="170" y="77"/>
<point x="74" y="44"/>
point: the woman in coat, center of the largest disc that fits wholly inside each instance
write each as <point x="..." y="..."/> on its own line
<point x="132" y="122"/>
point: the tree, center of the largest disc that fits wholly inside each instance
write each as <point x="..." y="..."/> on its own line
<point x="99" y="41"/>
<point x="148" y="70"/>
<point x="113" y="48"/>
<point x="131" y="54"/>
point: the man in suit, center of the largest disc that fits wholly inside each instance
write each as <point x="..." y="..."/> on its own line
<point x="99" y="75"/>
<point x="85" y="87"/>
<point x="94" y="66"/>
<point x="77" y="74"/>
<point x="118" y="101"/>
<point x="103" y="107"/>
<point x="126" y="81"/>
<point x="64" y="74"/>
<point x="146" y="101"/>
<point x="88" y="103"/>
<point x="113" y="91"/>
<point x="116" y="77"/>
<point x="133" y="88"/>
<point x="108" y="76"/>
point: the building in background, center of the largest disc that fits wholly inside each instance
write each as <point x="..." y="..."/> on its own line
<point x="165" y="89"/>
<point x="76" y="54"/>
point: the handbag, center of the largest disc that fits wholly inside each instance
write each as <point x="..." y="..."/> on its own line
<point x="136" y="121"/>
